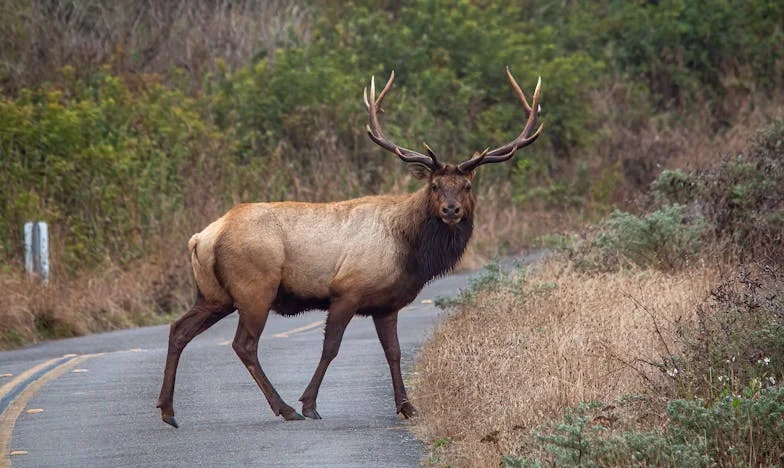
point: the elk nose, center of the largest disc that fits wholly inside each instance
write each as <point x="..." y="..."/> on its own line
<point x="450" y="210"/>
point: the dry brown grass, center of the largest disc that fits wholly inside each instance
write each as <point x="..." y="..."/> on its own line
<point x="39" y="37"/>
<point x="114" y="298"/>
<point x="506" y="363"/>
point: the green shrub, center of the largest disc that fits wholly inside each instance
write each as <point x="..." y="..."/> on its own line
<point x="665" y="238"/>
<point x="736" y="206"/>
<point x="737" y="431"/>
<point x="493" y="276"/>
<point x="686" y="52"/>
<point x="742" y="197"/>
<point x="674" y="186"/>
<point x="104" y="166"/>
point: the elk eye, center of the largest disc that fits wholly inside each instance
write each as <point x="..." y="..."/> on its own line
<point x="468" y="186"/>
<point x="434" y="187"/>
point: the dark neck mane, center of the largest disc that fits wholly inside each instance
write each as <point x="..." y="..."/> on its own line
<point x="435" y="247"/>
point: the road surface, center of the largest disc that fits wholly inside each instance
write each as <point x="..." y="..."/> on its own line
<point x="90" y="401"/>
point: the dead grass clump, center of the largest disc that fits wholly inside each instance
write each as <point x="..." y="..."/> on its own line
<point x="39" y="37"/>
<point x="557" y="339"/>
<point x="144" y="294"/>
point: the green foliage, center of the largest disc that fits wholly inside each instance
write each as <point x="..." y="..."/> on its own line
<point x="742" y="197"/>
<point x="665" y="238"/>
<point x="738" y="431"/>
<point x="737" y="204"/>
<point x="687" y="52"/>
<point x="674" y="186"/>
<point x="450" y="91"/>
<point x="104" y="166"/>
<point x="742" y="430"/>
<point x="494" y="276"/>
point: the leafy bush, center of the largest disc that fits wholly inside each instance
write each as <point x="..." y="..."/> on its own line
<point x="686" y="52"/>
<point x="493" y="276"/>
<point x="738" y="431"/>
<point x="742" y="197"/>
<point x="104" y="166"/>
<point x="736" y="206"/>
<point x="674" y="186"/>
<point x="665" y="238"/>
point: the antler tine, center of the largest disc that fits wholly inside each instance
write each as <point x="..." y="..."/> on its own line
<point x="384" y="91"/>
<point x="431" y="154"/>
<point x="377" y="135"/>
<point x="505" y="152"/>
<point x="476" y="160"/>
<point x="522" y="139"/>
<point x="373" y="89"/>
<point x="518" y="92"/>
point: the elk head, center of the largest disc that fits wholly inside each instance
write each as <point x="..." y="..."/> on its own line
<point x="449" y="185"/>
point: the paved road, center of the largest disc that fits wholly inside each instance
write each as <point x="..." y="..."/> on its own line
<point x="98" y="402"/>
<point x="100" y="409"/>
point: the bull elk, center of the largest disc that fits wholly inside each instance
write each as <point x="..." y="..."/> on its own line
<point x="369" y="256"/>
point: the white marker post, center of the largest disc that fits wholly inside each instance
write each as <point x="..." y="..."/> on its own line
<point x="28" y="242"/>
<point x="36" y="239"/>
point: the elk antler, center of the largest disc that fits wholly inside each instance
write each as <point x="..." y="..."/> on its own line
<point x="377" y="135"/>
<point x="505" y="152"/>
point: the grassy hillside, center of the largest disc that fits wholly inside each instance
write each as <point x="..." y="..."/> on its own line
<point x="128" y="128"/>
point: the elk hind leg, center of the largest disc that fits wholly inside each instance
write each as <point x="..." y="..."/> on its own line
<point x="246" y="345"/>
<point x="200" y="317"/>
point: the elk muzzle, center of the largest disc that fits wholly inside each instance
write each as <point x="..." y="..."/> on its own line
<point x="451" y="213"/>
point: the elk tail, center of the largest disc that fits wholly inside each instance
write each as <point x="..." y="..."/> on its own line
<point x="193" y="243"/>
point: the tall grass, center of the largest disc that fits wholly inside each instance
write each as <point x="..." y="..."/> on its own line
<point x="39" y="37"/>
<point x="559" y="338"/>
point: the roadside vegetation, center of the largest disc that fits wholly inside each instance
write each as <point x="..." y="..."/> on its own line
<point x="127" y="127"/>
<point x="655" y="338"/>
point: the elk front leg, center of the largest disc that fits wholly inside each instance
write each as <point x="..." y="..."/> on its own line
<point x="338" y="317"/>
<point x="386" y="327"/>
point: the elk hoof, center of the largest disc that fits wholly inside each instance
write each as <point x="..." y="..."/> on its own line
<point x="407" y="410"/>
<point x="311" y="413"/>
<point x="169" y="419"/>
<point x="289" y="414"/>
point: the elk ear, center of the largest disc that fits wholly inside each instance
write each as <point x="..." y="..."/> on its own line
<point x="419" y="171"/>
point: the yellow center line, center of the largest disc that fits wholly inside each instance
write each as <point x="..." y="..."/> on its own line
<point x="287" y="333"/>
<point x="301" y="329"/>
<point x="10" y="415"/>
<point x="24" y="375"/>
